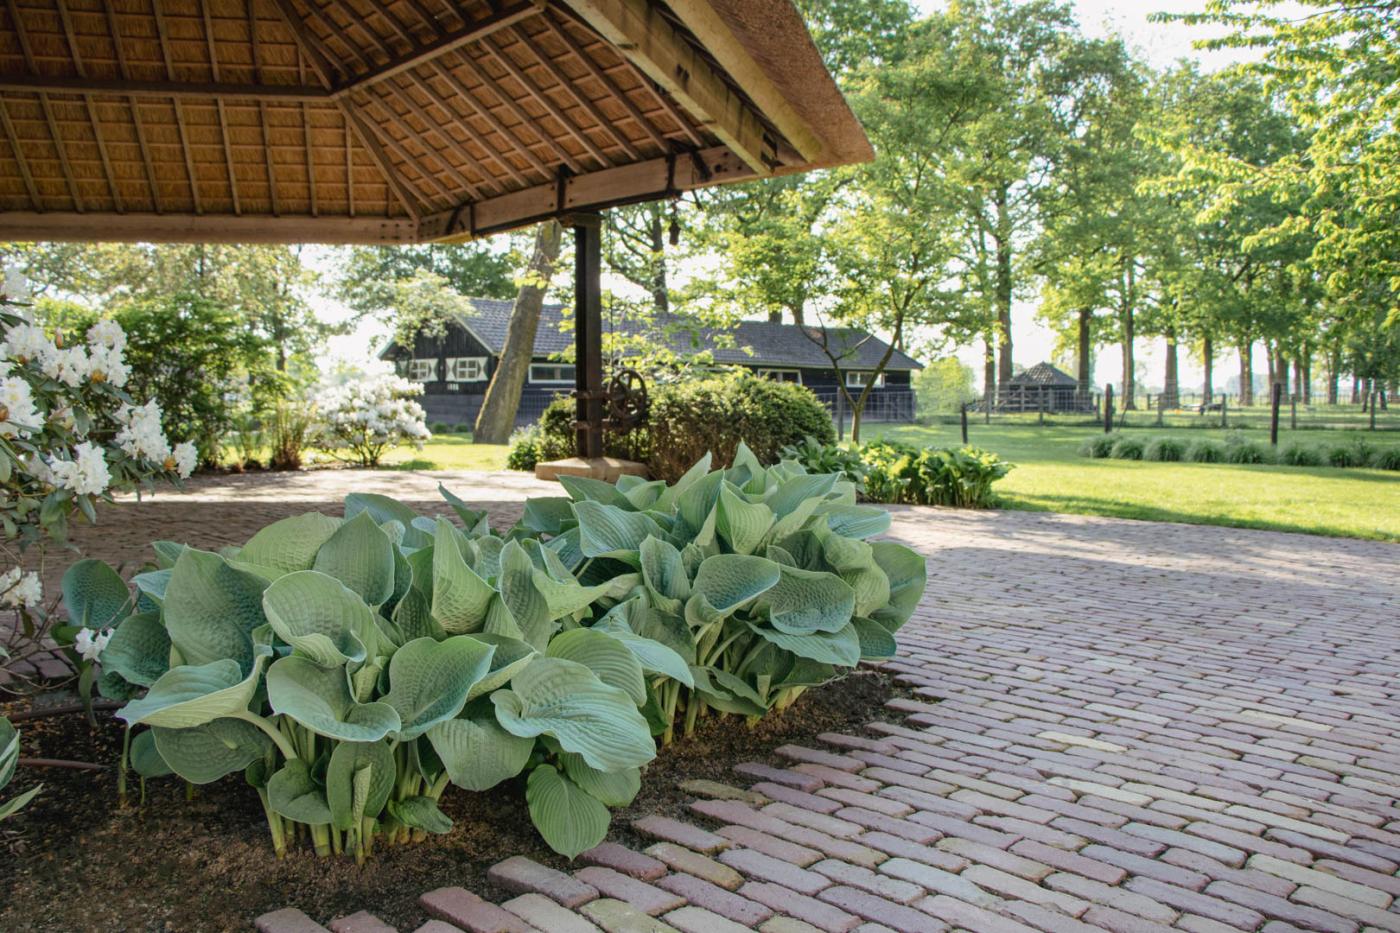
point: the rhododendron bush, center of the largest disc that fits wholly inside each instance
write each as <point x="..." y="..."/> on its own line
<point x="367" y="417"/>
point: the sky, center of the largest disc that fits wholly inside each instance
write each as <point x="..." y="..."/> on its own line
<point x="1160" y="44"/>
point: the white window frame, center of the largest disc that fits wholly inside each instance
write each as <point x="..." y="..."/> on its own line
<point x="855" y="378"/>
<point x="535" y="380"/>
<point x="423" y="369"/>
<point x="466" y="368"/>
<point x="769" y="372"/>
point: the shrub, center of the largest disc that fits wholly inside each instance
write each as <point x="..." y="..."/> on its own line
<point x="1127" y="448"/>
<point x="816" y="457"/>
<point x="1238" y="450"/>
<point x="288" y="431"/>
<point x="1299" y="455"/>
<point x="1165" y="450"/>
<point x="369" y="416"/>
<point x="932" y="476"/>
<point x="1206" y="451"/>
<point x="1354" y="453"/>
<point x="1386" y="458"/>
<point x="524" y="450"/>
<point x="1099" y="447"/>
<point x="351" y="668"/>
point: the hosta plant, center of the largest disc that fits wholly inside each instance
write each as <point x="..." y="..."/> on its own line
<point x="352" y="668"/>
<point x="9" y="757"/>
<point x="759" y="582"/>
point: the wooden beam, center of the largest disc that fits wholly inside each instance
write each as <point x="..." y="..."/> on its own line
<point x="511" y="104"/>
<point x="648" y="39"/>
<point x="204" y="228"/>
<point x="602" y="77"/>
<point x="115" y="31"/>
<point x="426" y="86"/>
<point x="449" y="42"/>
<point x="54" y="84"/>
<point x="96" y="125"/>
<point x="13" y="139"/>
<point x="219" y="104"/>
<point x="625" y="184"/>
<point x="464" y="93"/>
<point x="541" y="98"/>
<point x="705" y="24"/>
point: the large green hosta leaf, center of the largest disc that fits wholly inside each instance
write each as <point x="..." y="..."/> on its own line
<point x="319" y="698"/>
<point x="728" y="581"/>
<point x="211" y="608"/>
<point x="291" y="544"/>
<point x="460" y="596"/>
<point x="794" y="493"/>
<point x="420" y="813"/>
<point x="294" y="793"/>
<point x="612" y="788"/>
<point x="742" y="524"/>
<point x="320" y="618"/>
<point x="384" y="509"/>
<point x="477" y="752"/>
<point x="606" y="656"/>
<point x="856" y="521"/>
<point x="609" y="531"/>
<point x="529" y="607"/>
<point x="876" y="642"/>
<point x="361" y="556"/>
<point x="510" y="656"/>
<point x="653" y="656"/>
<point x="587" y="489"/>
<point x="564" y="699"/>
<point x="204" y="754"/>
<point x="663" y="572"/>
<point x="429" y="680"/>
<point x="907" y="571"/>
<point x="192" y="695"/>
<point x="804" y="601"/>
<point x="568" y="818"/>
<point x="94" y="594"/>
<point x="359" y="779"/>
<point x="840" y="648"/>
<point x="139" y="650"/>
<point x="474" y="520"/>
<point x="145" y="757"/>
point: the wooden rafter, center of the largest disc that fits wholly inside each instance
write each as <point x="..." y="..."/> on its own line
<point x="123" y="69"/>
<point x="464" y="93"/>
<point x="514" y="107"/>
<point x="405" y="95"/>
<point x="126" y="87"/>
<point x="219" y="107"/>
<point x="179" y="112"/>
<point x="599" y="75"/>
<point x="427" y="147"/>
<point x="13" y="138"/>
<point x="59" y="148"/>
<point x="645" y="36"/>
<point x="96" y="124"/>
<point x="454" y="116"/>
<point x="256" y="42"/>
<point x="543" y="99"/>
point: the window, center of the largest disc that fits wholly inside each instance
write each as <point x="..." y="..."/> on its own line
<point x="466" y="368"/>
<point x="422" y="370"/>
<point x="859" y="380"/>
<point x="781" y="375"/>
<point x="552" y="373"/>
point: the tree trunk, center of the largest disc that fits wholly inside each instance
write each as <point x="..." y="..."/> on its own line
<point x="1086" y="352"/>
<point x="1247" y="373"/>
<point x="1208" y="364"/>
<point x="1171" y="383"/>
<point x="496" y="419"/>
<point x="989" y="373"/>
<point x="660" y="293"/>
<point x="1334" y="379"/>
<point x="1366" y="394"/>
<point x="1269" y="359"/>
<point x="1299" y="386"/>
<point x="1307" y="379"/>
<point x="1004" y="290"/>
<point x="1356" y="390"/>
<point x="1129" y="377"/>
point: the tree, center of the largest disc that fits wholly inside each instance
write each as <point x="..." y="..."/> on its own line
<point x="496" y="419"/>
<point x="418" y="288"/>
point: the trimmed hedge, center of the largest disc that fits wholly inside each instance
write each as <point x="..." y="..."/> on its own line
<point x="1239" y="449"/>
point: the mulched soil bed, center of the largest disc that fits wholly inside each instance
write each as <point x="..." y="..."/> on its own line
<point x="74" y="861"/>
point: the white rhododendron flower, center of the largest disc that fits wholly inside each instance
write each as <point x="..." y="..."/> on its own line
<point x="186" y="459"/>
<point x="15" y="286"/>
<point x="29" y="344"/>
<point x="108" y="334"/>
<point x="70" y="366"/>
<point x="20" y="590"/>
<point x="19" y="411"/>
<point x="141" y="434"/>
<point x="371" y="414"/>
<point x="107" y="365"/>
<point x="86" y="474"/>
<point x="90" y="643"/>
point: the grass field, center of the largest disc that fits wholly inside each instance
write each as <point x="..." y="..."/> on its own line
<point x="1051" y="476"/>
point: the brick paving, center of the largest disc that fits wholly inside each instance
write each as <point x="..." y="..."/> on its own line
<point x="1117" y="726"/>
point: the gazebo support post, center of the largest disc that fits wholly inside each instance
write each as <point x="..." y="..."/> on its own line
<point x="588" y="334"/>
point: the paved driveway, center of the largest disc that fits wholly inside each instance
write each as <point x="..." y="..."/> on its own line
<point x="1120" y="726"/>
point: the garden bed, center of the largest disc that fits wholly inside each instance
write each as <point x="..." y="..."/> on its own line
<point x="75" y="861"/>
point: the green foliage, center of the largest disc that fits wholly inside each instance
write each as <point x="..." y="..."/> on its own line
<point x="1165" y="450"/>
<point x="1100" y="446"/>
<point x="1301" y="455"/>
<point x="943" y="387"/>
<point x="1241" y="450"/>
<point x="1205" y="451"/>
<point x="843" y="460"/>
<point x="352" y="668"/>
<point x="524" y="450"/>
<point x="961" y="478"/>
<point x="9" y="756"/>
<point x="1387" y="458"/>
<point x="1355" y="453"/>
<point x="1127" y="448"/>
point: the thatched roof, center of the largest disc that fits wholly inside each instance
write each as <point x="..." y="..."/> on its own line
<point x="1043" y="374"/>
<point x="393" y="120"/>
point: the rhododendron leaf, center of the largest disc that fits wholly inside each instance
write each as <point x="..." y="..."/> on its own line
<point x="139" y="650"/>
<point x="429" y="680"/>
<point x="477" y="752"/>
<point x="320" y="618"/>
<point x="319" y="698"/>
<point x="204" y="754"/>
<point x="210" y="608"/>
<point x="361" y="556"/>
<point x="290" y="544"/>
<point x="728" y="581"/>
<point x="568" y="818"/>
<point x="94" y="594"/>
<point x="607" y="657"/>
<point x="565" y="700"/>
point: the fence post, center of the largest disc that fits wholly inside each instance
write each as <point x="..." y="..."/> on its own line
<point x="987" y="401"/>
<point x="1042" y="404"/>
<point x="1224" y="404"/>
<point x="1273" y="417"/>
<point x="1108" y="409"/>
<point x="1374" y="397"/>
<point x="1293" y="416"/>
<point x="1161" y="409"/>
<point x="964" y="423"/>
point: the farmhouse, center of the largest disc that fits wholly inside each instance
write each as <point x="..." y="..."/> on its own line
<point x="456" y="368"/>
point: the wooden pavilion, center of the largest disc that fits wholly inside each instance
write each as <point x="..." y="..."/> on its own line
<point x="399" y="121"/>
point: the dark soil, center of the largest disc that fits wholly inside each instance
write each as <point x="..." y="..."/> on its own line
<point x="75" y="861"/>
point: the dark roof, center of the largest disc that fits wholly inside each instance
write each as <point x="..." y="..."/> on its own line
<point x="1043" y="374"/>
<point x="772" y="344"/>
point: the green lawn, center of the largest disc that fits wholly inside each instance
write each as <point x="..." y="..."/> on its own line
<point x="1051" y="476"/>
<point x="449" y="452"/>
